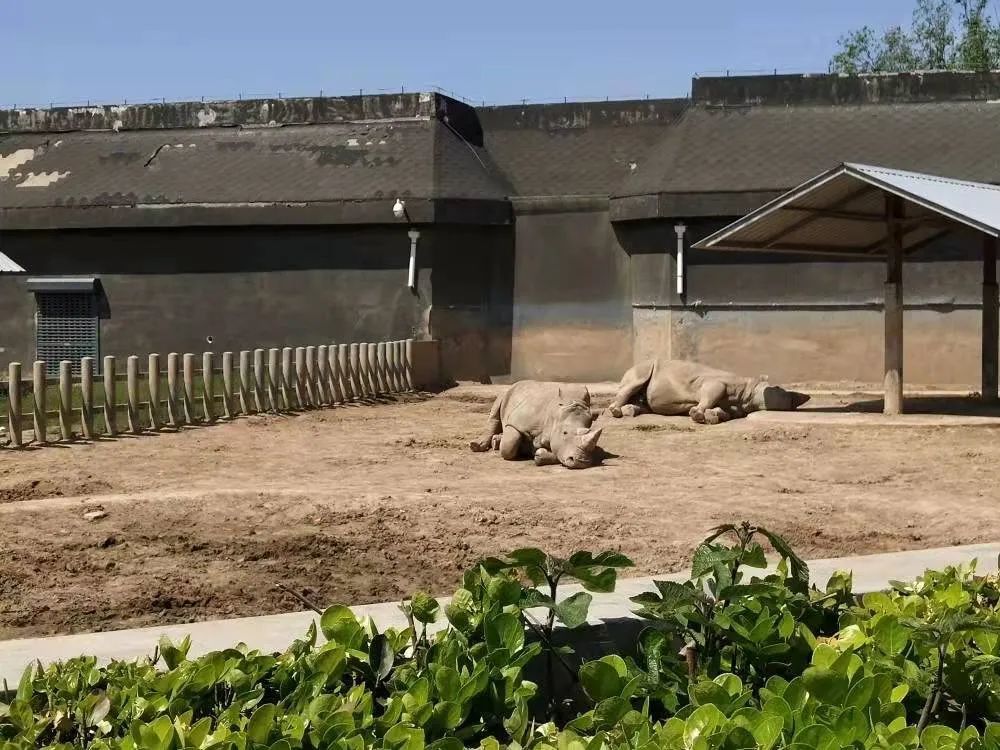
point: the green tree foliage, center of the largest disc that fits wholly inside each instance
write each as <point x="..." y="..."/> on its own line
<point x="944" y="35"/>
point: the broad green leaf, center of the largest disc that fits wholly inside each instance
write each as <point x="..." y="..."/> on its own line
<point x="610" y="711"/>
<point x="707" y="692"/>
<point x="937" y="737"/>
<point x="601" y="681"/>
<point x="340" y="625"/>
<point x="754" y="557"/>
<point x="424" y="607"/>
<point x="448" y="683"/>
<point x="704" y="722"/>
<point x="817" y="737"/>
<point x="778" y="706"/>
<point x="447" y="715"/>
<point x="505" y="631"/>
<point x="767" y="730"/>
<point x="732" y="684"/>
<point x="381" y="657"/>
<point x="739" y="738"/>
<point x="259" y="727"/>
<point x="825" y="685"/>
<point x="890" y="635"/>
<point x="861" y="693"/>
<point x="572" y="611"/>
<point x="707" y="556"/>
<point x="851" y="725"/>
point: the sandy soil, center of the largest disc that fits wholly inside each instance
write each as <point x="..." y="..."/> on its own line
<point x="363" y="504"/>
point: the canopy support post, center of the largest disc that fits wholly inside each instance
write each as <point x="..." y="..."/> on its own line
<point x="991" y="322"/>
<point x="893" y="309"/>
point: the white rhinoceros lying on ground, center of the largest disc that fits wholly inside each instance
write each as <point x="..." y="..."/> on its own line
<point x="673" y="387"/>
<point x="549" y="421"/>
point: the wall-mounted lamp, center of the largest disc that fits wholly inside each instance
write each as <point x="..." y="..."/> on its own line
<point x="399" y="209"/>
<point x="681" y="230"/>
<point x="411" y="277"/>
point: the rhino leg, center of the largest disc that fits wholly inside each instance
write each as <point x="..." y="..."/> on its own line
<point x="717" y="415"/>
<point x="510" y="444"/>
<point x="634" y="410"/>
<point x="493" y="428"/>
<point x="633" y="383"/>
<point x="712" y="392"/>
<point x="545" y="458"/>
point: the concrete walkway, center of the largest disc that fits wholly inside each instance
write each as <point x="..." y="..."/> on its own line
<point x="276" y="632"/>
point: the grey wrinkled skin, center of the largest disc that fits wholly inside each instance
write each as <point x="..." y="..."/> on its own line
<point x="549" y="422"/>
<point x="674" y="387"/>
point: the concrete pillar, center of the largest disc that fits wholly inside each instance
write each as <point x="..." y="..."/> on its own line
<point x="208" y="386"/>
<point x="14" y="404"/>
<point x="260" y="381"/>
<point x="86" y="397"/>
<point x="132" y="382"/>
<point x="173" y="384"/>
<point x="893" y="384"/>
<point x="287" y="378"/>
<point x="110" y="397"/>
<point x="227" y="384"/>
<point x="189" y="388"/>
<point x="991" y="322"/>
<point x="66" y="399"/>
<point x="41" y="418"/>
<point x="274" y="378"/>
<point x="153" y="385"/>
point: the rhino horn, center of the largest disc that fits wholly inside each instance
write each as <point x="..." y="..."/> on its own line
<point x="588" y="441"/>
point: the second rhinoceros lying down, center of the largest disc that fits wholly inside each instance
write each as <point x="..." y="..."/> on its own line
<point x="674" y="387"/>
<point x="547" y="421"/>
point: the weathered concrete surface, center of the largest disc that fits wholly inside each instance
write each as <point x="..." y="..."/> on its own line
<point x="572" y="318"/>
<point x="276" y="632"/>
<point x="244" y="112"/>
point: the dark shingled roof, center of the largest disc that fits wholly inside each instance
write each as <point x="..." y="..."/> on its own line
<point x="312" y="163"/>
<point x="714" y="149"/>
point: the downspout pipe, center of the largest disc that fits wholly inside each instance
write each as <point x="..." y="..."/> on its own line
<point x="680" y="230"/>
<point x="411" y="276"/>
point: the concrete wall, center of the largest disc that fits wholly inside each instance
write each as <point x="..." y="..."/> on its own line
<point x="799" y="320"/>
<point x="572" y="315"/>
<point x="258" y="287"/>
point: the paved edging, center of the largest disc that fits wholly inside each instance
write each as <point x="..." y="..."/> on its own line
<point x="276" y="632"/>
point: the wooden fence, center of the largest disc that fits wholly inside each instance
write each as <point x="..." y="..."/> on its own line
<point x="257" y="382"/>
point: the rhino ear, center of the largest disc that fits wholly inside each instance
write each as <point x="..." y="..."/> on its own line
<point x="589" y="440"/>
<point x="586" y="396"/>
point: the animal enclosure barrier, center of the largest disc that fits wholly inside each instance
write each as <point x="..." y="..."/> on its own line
<point x="142" y="400"/>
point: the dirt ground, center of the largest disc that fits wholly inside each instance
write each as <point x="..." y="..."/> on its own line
<point x="370" y="503"/>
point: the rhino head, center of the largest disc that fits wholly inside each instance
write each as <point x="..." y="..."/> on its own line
<point x="768" y="397"/>
<point x="572" y="440"/>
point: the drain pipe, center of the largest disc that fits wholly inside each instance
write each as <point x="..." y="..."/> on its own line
<point x="411" y="277"/>
<point x="680" y="229"/>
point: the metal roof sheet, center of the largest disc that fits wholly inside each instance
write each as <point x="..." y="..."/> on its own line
<point x="842" y="212"/>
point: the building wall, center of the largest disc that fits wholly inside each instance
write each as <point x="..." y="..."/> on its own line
<point x="572" y="314"/>
<point x="799" y="320"/>
<point x="170" y="290"/>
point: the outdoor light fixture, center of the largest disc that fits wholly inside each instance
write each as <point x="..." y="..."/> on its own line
<point x="680" y="229"/>
<point x="399" y="209"/>
<point x="411" y="277"/>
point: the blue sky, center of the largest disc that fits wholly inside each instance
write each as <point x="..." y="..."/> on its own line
<point x="68" y="51"/>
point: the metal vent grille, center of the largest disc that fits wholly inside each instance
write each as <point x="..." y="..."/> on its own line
<point x="66" y="327"/>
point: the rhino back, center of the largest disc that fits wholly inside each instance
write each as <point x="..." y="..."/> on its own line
<point x="526" y="405"/>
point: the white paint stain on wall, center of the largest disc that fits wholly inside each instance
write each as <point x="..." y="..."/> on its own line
<point x="207" y="117"/>
<point x="10" y="162"/>
<point x="42" y="179"/>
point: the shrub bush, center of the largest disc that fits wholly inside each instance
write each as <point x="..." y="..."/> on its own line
<point x="729" y="660"/>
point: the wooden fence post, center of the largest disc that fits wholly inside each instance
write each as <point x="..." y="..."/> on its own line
<point x="393" y="357"/>
<point x="173" y="381"/>
<point x="227" y="384"/>
<point x="380" y="365"/>
<point x="323" y="374"/>
<point x="336" y="396"/>
<point x="300" y="377"/>
<point x="14" y="404"/>
<point x="40" y="417"/>
<point x="189" y="388"/>
<point x="87" y="397"/>
<point x="110" y="397"/>
<point x="287" y="378"/>
<point x="260" y="381"/>
<point x="132" y="378"/>
<point x="344" y="372"/>
<point x="408" y="363"/>
<point x="153" y="386"/>
<point x="274" y="378"/>
<point x="245" y="381"/>
<point x="311" y="393"/>
<point x="208" y="387"/>
<point x="378" y="385"/>
<point x="66" y="399"/>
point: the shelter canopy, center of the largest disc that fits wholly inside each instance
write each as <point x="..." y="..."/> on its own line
<point x="843" y="212"/>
